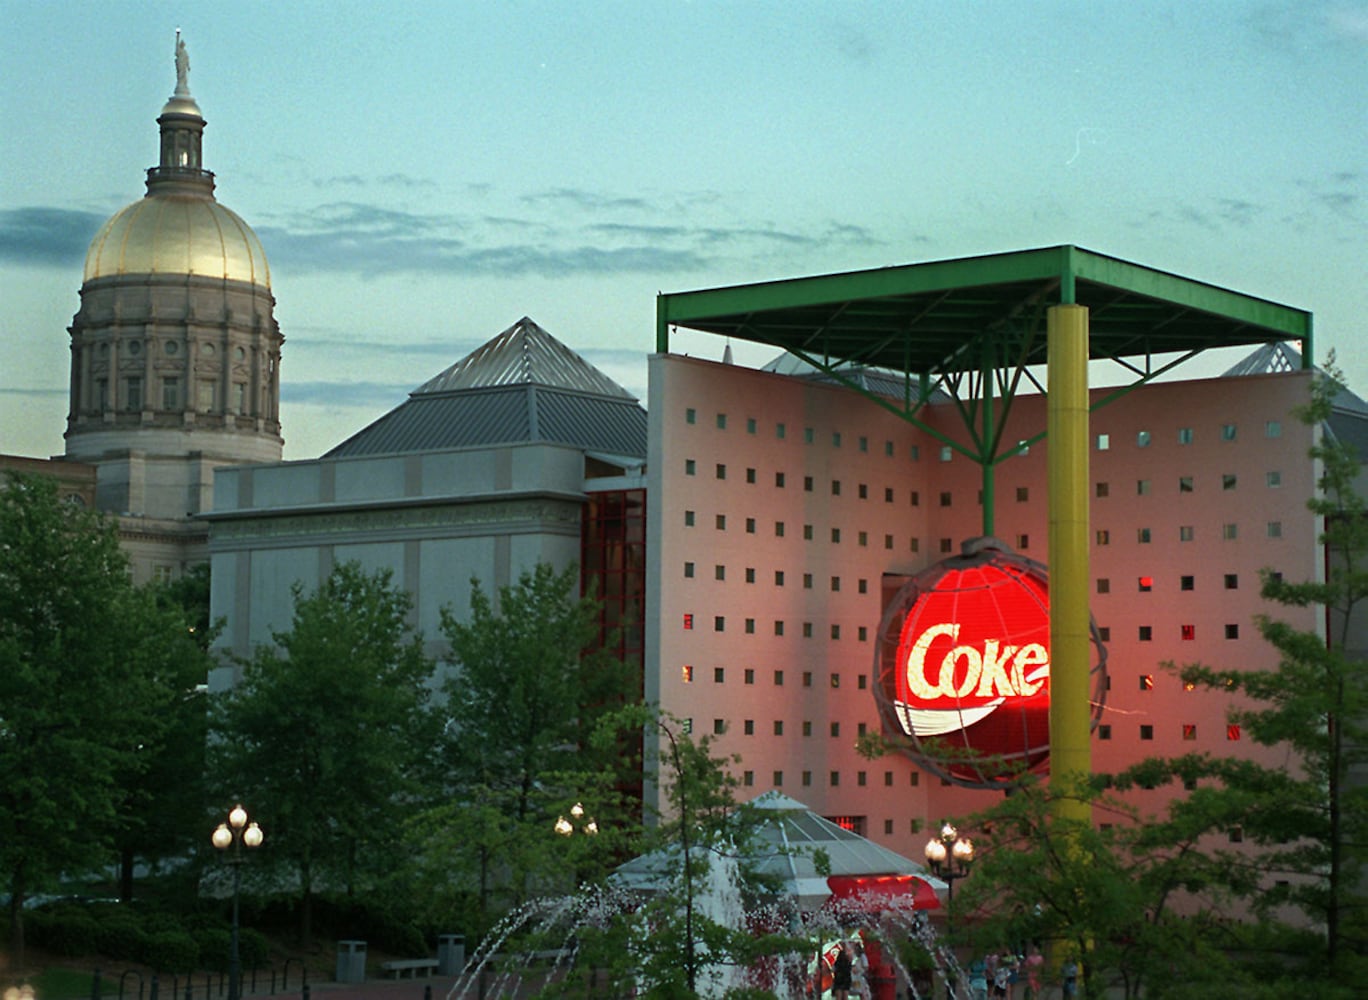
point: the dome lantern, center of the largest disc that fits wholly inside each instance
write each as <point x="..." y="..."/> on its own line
<point x="181" y="166"/>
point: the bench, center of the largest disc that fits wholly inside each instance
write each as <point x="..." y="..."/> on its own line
<point x="409" y="967"/>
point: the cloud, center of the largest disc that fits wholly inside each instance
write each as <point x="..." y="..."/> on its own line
<point x="362" y="394"/>
<point x="56" y="392"/>
<point x="589" y="201"/>
<point x="46" y="236"/>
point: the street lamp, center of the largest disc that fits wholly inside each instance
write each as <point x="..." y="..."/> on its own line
<point x="236" y="834"/>
<point x="960" y="851"/>
<point x="565" y="827"/>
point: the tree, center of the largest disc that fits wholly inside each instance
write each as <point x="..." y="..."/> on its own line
<point x="1316" y="703"/>
<point x="82" y="660"/>
<point x="528" y="683"/>
<point x="324" y="736"/>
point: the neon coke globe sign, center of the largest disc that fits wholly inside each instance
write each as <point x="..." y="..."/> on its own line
<point x="963" y="665"/>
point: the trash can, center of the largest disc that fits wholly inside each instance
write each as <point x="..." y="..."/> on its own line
<point x="450" y="954"/>
<point x="351" y="962"/>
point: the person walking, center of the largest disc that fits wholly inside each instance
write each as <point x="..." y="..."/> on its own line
<point x="841" y="973"/>
<point x="1035" y="964"/>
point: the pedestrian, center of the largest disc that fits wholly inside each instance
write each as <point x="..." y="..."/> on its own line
<point x="1035" y="963"/>
<point x="1069" y="978"/>
<point x="978" y="979"/>
<point x="841" y="973"/>
<point x="1003" y="969"/>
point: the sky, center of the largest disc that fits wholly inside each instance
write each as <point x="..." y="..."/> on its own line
<point x="422" y="175"/>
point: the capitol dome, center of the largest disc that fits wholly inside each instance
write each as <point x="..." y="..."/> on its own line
<point x="181" y="233"/>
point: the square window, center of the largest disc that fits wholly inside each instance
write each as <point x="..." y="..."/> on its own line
<point x="835" y="631"/>
<point x="1274" y="529"/>
<point x="1103" y="490"/>
<point x="719" y="675"/>
<point x="946" y="453"/>
<point x="691" y="416"/>
<point x="719" y="572"/>
<point x="888" y="494"/>
<point x="888" y="448"/>
<point x="780" y="430"/>
<point x="809" y="435"/>
<point x="807" y="483"/>
<point x="719" y="623"/>
<point x="1103" y="537"/>
<point x="779" y="480"/>
<point x="835" y="583"/>
<point x="835" y="487"/>
<point x="864" y="443"/>
<point x="1104" y="731"/>
<point x="807" y="727"/>
<point x="807" y="778"/>
<point x="778" y="779"/>
<point x="1228" y="481"/>
<point x="1184" y="484"/>
<point x="807" y="581"/>
<point x="835" y="778"/>
<point x="721" y="421"/>
<point x="778" y="529"/>
<point x="1237" y="835"/>
<point x="719" y="726"/>
<point x="748" y="778"/>
<point x="750" y="574"/>
<point x="915" y="498"/>
<point x="750" y="525"/>
<point x="1146" y="682"/>
<point x="1273" y="429"/>
<point x="836" y="536"/>
<point x="835" y="680"/>
<point x="1146" y="584"/>
<point x="1185" y="435"/>
<point x="1230" y="532"/>
<point x="690" y="467"/>
<point x="1146" y="731"/>
<point x="688" y="621"/>
<point x="1185" y="533"/>
<point x="778" y="577"/>
<point x="687" y="673"/>
<point x="1142" y="439"/>
<point x="888" y="779"/>
<point x="1233" y="732"/>
<point x="863" y="539"/>
<point x="863" y="491"/>
<point x="947" y="545"/>
<point x="720" y="522"/>
<point x="1103" y="442"/>
<point x="1232" y="581"/>
<point x="749" y="727"/>
<point x="721" y="471"/>
<point x="835" y="439"/>
<point x="1142" y="487"/>
<point x="945" y="498"/>
<point x="914" y="779"/>
<point x="688" y="519"/>
<point x="1232" y="631"/>
<point x="1227" y="432"/>
<point x="1188" y="632"/>
<point x="861" y="778"/>
<point x="807" y="532"/>
<point x="1142" y="535"/>
<point x="1146" y="633"/>
<point x="750" y="476"/>
<point x="1023" y="542"/>
<point x="1023" y="493"/>
<point x="862" y="634"/>
<point x="688" y="570"/>
<point x="888" y="541"/>
<point x="835" y="729"/>
<point x="1273" y="479"/>
<point x="750" y="630"/>
<point x="1187" y="583"/>
<point x="862" y="585"/>
<point x="779" y="626"/>
<point x="1104" y="633"/>
<point x="1103" y="585"/>
<point x="807" y="630"/>
<point x="750" y="425"/>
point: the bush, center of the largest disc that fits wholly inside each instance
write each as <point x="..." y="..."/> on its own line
<point x="171" y="951"/>
<point x="63" y="932"/>
<point x="214" y="945"/>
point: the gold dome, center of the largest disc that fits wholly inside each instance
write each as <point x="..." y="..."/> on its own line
<point x="169" y="233"/>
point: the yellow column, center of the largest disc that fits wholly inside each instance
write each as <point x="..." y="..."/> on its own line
<point x="1070" y="653"/>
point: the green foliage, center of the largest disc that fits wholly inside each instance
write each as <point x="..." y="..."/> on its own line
<point x="88" y="666"/>
<point x="171" y="951"/>
<point x="528" y="681"/>
<point x="325" y="737"/>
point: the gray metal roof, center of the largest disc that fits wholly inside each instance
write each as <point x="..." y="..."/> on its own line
<point x="521" y="387"/>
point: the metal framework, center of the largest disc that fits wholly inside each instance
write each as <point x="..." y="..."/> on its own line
<point x="974" y="328"/>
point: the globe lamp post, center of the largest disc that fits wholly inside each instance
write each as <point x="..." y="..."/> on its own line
<point x="566" y="827"/>
<point x="959" y="851"/>
<point x="232" y="837"/>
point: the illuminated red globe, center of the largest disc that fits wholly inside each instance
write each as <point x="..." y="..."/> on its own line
<point x="963" y="666"/>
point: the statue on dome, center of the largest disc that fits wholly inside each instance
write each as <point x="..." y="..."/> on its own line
<point x="182" y="66"/>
